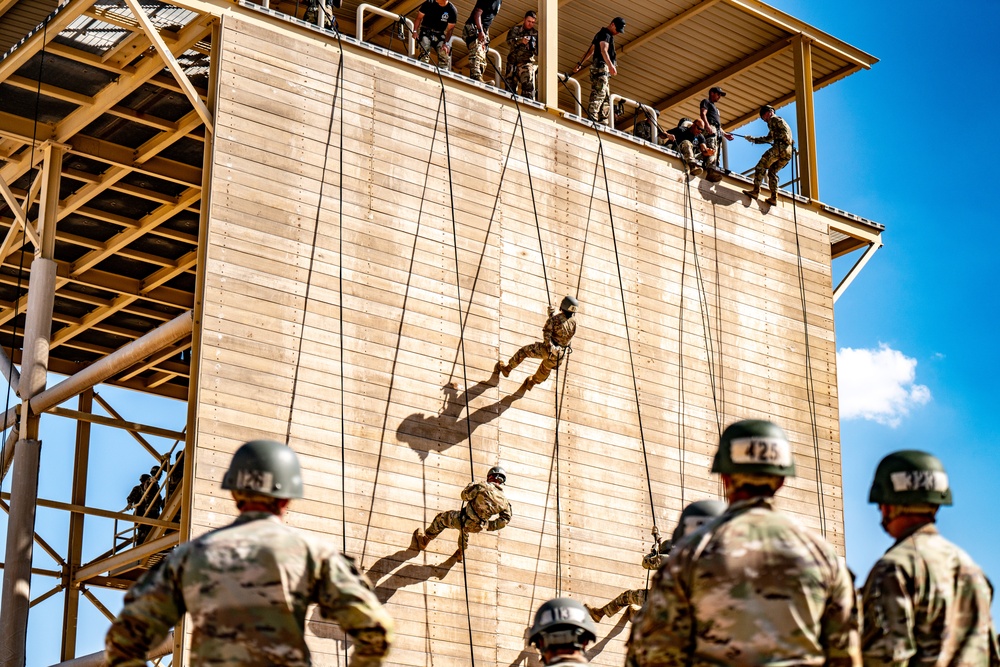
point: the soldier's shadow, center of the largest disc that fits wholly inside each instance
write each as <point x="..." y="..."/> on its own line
<point x="529" y="656"/>
<point x="719" y="194"/>
<point x="596" y="649"/>
<point x="436" y="433"/>
<point x="389" y="577"/>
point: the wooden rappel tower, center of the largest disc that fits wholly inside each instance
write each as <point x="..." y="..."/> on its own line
<point x="304" y="234"/>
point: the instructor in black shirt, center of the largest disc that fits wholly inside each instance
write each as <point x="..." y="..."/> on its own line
<point x="433" y="28"/>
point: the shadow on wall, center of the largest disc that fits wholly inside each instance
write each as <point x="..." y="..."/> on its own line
<point x="389" y="577"/>
<point x="596" y="649"/>
<point x="425" y="434"/>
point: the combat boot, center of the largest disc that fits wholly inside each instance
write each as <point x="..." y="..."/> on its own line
<point x="421" y="539"/>
<point x="753" y="194"/>
<point x="503" y="368"/>
<point x="596" y="613"/>
<point x="694" y="169"/>
<point x="772" y="200"/>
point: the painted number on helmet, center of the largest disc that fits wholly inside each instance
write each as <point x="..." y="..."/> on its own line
<point x="255" y="480"/>
<point x="561" y="614"/>
<point x="761" y="451"/>
<point x="919" y="480"/>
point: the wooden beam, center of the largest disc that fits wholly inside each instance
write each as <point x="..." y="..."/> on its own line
<point x="24" y="130"/>
<point x="123" y="156"/>
<point x="805" y="116"/>
<point x="790" y="97"/>
<point x="132" y="427"/>
<point x="548" y="53"/>
<point x="172" y="64"/>
<point x="135" y="434"/>
<point x="666" y="26"/>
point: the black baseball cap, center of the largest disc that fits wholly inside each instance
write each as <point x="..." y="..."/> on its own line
<point x="619" y="23"/>
<point x="719" y="91"/>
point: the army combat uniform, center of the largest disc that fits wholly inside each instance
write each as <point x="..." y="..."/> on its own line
<point x="483" y="501"/>
<point x="774" y="158"/>
<point x="247" y="587"/>
<point x="557" y="333"/>
<point x="752" y="588"/>
<point x="521" y="65"/>
<point x="635" y="597"/>
<point x="927" y="603"/>
<point x="470" y="33"/>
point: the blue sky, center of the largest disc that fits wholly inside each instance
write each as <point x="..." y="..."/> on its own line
<point x="905" y="144"/>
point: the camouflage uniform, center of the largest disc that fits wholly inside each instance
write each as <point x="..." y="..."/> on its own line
<point x="643" y="130"/>
<point x="927" y="603"/>
<point x="599" y="107"/>
<point x="431" y="40"/>
<point x="751" y="588"/>
<point x="477" y="50"/>
<point x="774" y="158"/>
<point x="521" y="66"/>
<point x="556" y="336"/>
<point x="247" y="587"/>
<point x="636" y="597"/>
<point x="483" y="501"/>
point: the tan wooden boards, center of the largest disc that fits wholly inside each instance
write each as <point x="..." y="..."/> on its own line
<point x="378" y="345"/>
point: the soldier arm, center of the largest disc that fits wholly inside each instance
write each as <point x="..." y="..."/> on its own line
<point x="663" y="636"/>
<point x="152" y="606"/>
<point x="503" y="518"/>
<point x="513" y="36"/>
<point x="585" y="58"/>
<point x="888" y="617"/>
<point x="840" y="623"/>
<point x="417" y="22"/>
<point x="345" y="596"/>
<point x="470" y="492"/>
<point x="652" y="561"/>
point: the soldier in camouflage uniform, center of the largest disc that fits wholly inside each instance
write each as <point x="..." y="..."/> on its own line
<point x="483" y="501"/>
<point x="925" y="602"/>
<point x="775" y="158"/>
<point x="753" y="587"/>
<point x="694" y="516"/>
<point x="556" y="336"/>
<point x="313" y="9"/>
<point x="521" y="67"/>
<point x="476" y="34"/>
<point x="602" y="68"/>
<point x="561" y="632"/>
<point x="247" y="586"/>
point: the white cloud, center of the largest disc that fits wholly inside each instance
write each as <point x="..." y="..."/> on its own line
<point x="878" y="385"/>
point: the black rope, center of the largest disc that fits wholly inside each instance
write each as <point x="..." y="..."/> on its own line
<point x="458" y="288"/>
<point x="811" y="387"/>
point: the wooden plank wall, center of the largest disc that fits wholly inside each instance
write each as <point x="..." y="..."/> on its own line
<point x="357" y="343"/>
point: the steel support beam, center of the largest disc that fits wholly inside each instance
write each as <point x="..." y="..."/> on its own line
<point x="548" y="53"/>
<point x="131" y="556"/>
<point x="12" y="374"/>
<point x="107" y="514"/>
<point x="855" y="270"/>
<point x="74" y="550"/>
<point x="97" y="659"/>
<point x="666" y="26"/>
<point x="805" y="115"/>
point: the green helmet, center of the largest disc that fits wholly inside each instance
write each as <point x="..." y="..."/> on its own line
<point x="265" y="467"/>
<point x="910" y="477"/>
<point x="562" y="622"/>
<point x="696" y="515"/>
<point x="569" y="304"/>
<point x="754" y="446"/>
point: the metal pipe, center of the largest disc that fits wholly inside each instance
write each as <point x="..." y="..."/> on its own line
<point x="411" y="43"/>
<point x="494" y="55"/>
<point x="573" y="83"/>
<point x="97" y="659"/>
<point x="650" y="112"/>
<point x="38" y="327"/>
<point x="12" y="374"/>
<point x="116" y="362"/>
<point x="16" y="597"/>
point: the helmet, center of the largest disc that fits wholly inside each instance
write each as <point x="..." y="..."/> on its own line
<point x="696" y="515"/>
<point x="562" y="621"/>
<point x="754" y="446"/>
<point x="155" y="471"/>
<point x="619" y="23"/>
<point x="764" y="109"/>
<point x="497" y="471"/>
<point x="910" y="477"/>
<point x="569" y="304"/>
<point x="265" y="467"/>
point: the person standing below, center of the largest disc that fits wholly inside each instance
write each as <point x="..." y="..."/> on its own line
<point x="485" y="508"/>
<point x="247" y="586"/>
<point x="926" y="602"/>
<point x="774" y="159"/>
<point x="521" y="66"/>
<point x="477" y="36"/>
<point x="690" y="143"/>
<point x="433" y="29"/>
<point x="694" y="516"/>
<point x="713" y="125"/>
<point x="753" y="587"/>
<point x="603" y="66"/>
<point x="561" y="632"/>
<point x="557" y="333"/>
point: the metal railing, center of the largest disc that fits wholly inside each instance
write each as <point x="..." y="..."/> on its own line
<point x="411" y="44"/>
<point x="575" y="86"/>
<point x="651" y="113"/>
<point x="492" y="54"/>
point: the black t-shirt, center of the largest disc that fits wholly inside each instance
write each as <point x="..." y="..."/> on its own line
<point x="687" y="135"/>
<point x="436" y="17"/>
<point x="713" y="113"/>
<point x="490" y="9"/>
<point x="604" y="35"/>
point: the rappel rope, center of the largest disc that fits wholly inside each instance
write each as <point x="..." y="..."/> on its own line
<point x="811" y="387"/>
